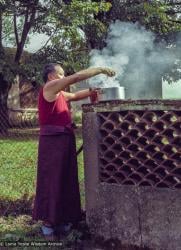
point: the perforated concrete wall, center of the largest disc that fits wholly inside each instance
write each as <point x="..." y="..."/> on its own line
<point x="133" y="171"/>
<point x="140" y="147"/>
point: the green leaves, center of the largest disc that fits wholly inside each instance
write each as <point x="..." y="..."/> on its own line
<point x="63" y="21"/>
<point x="66" y="24"/>
<point x="158" y="17"/>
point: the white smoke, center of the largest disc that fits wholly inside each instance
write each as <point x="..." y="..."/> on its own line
<point x="130" y="50"/>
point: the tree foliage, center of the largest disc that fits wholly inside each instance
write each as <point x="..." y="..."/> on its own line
<point x="65" y="25"/>
<point x="62" y="21"/>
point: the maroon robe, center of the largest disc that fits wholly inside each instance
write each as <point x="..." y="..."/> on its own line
<point x="57" y="197"/>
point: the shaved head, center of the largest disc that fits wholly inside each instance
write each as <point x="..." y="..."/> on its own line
<point x="52" y="68"/>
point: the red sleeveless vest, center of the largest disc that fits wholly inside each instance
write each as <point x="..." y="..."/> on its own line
<point x="53" y="113"/>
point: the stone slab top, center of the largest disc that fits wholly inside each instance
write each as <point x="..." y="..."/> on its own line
<point x="129" y="104"/>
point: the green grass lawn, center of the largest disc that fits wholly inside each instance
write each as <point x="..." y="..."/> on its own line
<point x="18" y="167"/>
<point x="18" y="159"/>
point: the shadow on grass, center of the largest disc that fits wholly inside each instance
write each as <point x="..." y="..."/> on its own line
<point x="19" y="138"/>
<point x="20" y="206"/>
<point x="24" y="134"/>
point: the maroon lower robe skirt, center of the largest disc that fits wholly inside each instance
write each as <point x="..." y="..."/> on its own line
<point x="57" y="197"/>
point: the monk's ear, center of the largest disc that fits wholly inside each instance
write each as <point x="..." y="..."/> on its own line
<point x="50" y="77"/>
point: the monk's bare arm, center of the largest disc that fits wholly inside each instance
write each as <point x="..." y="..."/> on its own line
<point x="55" y="86"/>
<point x="79" y="95"/>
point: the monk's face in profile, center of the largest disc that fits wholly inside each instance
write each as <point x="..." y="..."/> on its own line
<point x="57" y="74"/>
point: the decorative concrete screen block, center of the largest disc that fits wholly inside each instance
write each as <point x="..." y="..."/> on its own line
<point x="133" y="171"/>
<point x="140" y="148"/>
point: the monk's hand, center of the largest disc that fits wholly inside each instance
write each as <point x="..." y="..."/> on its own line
<point x="108" y="71"/>
<point x="94" y="94"/>
<point x="94" y="91"/>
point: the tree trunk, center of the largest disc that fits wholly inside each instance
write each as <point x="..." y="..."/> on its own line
<point x="3" y="89"/>
<point x="4" y="119"/>
<point x="1" y="27"/>
<point x="28" y="24"/>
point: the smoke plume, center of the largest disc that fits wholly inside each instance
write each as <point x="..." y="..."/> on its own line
<point x="131" y="51"/>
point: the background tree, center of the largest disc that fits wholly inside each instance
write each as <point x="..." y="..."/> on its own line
<point x="17" y="19"/>
<point x="161" y="17"/>
<point x="62" y="21"/>
<point x="4" y="85"/>
<point x="65" y="26"/>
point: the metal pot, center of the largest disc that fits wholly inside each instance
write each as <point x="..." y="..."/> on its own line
<point x="113" y="93"/>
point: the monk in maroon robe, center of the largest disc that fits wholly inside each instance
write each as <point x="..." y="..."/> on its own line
<point x="57" y="200"/>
